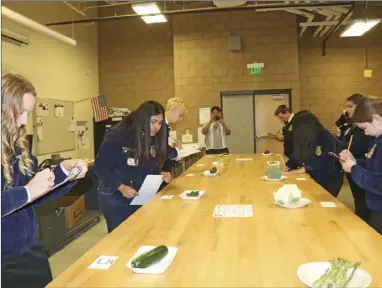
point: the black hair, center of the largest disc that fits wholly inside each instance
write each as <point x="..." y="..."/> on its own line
<point x="137" y="123"/>
<point x="306" y="127"/>
<point x="217" y="108"/>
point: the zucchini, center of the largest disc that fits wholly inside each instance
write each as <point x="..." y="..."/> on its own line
<point x="213" y="170"/>
<point x="150" y="257"/>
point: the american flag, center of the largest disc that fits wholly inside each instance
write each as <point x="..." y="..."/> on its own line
<point x="99" y="108"/>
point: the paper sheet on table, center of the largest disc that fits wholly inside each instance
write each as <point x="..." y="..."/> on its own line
<point x="233" y="211"/>
<point x="148" y="189"/>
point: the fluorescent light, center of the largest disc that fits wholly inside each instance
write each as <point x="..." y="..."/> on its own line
<point x="359" y="28"/>
<point x="146" y="8"/>
<point x="154" y="19"/>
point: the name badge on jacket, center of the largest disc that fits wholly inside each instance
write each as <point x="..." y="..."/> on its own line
<point x="131" y="162"/>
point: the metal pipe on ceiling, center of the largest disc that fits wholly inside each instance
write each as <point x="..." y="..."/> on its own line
<point x="256" y="7"/>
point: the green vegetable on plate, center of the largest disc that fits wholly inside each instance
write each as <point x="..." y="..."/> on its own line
<point x="193" y="194"/>
<point x="337" y="275"/>
<point x="150" y="257"/>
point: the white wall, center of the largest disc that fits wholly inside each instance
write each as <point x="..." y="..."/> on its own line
<point x="57" y="71"/>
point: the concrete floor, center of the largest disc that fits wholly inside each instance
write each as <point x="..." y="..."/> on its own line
<point x="69" y="254"/>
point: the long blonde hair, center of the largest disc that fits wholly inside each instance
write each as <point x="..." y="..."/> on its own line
<point x="14" y="142"/>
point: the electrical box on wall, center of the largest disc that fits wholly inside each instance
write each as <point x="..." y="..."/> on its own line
<point x="234" y="43"/>
<point x="367" y="73"/>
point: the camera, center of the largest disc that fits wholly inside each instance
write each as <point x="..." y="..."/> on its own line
<point x="216" y="118"/>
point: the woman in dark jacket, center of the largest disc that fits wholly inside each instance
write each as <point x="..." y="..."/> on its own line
<point x="367" y="173"/>
<point x="24" y="262"/>
<point x="358" y="147"/>
<point x="311" y="145"/>
<point x="132" y="150"/>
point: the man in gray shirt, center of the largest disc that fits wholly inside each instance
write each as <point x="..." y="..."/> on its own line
<point x="216" y="132"/>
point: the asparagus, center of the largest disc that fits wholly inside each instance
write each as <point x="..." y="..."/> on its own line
<point x="336" y="275"/>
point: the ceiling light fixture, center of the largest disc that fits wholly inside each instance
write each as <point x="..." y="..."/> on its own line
<point x="154" y="19"/>
<point x="360" y="27"/>
<point x="146" y="8"/>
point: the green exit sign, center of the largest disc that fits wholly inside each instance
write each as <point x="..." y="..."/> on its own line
<point x="255" y="68"/>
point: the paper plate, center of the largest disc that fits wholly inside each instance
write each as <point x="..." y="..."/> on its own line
<point x="208" y="173"/>
<point x="303" y="202"/>
<point x="310" y="272"/>
<point x="273" y="180"/>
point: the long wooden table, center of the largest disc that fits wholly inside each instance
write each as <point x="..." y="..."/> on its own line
<point x="263" y="251"/>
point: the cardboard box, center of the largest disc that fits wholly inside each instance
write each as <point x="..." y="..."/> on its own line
<point x="74" y="211"/>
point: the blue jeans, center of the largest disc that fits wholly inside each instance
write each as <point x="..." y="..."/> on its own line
<point x="115" y="208"/>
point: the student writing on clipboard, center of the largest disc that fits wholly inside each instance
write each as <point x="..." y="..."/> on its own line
<point x="24" y="262"/>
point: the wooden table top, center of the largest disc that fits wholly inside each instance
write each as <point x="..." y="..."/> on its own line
<point x="263" y="251"/>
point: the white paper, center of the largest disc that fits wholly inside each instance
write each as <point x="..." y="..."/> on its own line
<point x="40" y="133"/>
<point x="167" y="197"/>
<point x="58" y="110"/>
<point x="82" y="135"/>
<point x="187" y="138"/>
<point x="187" y="151"/>
<point x="172" y="139"/>
<point x="233" y="211"/>
<point x="204" y="115"/>
<point x="244" y="159"/>
<point x="190" y="175"/>
<point x="103" y="262"/>
<point x="328" y="204"/>
<point x="301" y="179"/>
<point x="148" y="189"/>
<point x="72" y="125"/>
<point x="42" y="109"/>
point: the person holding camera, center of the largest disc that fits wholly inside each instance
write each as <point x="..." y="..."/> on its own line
<point x="216" y="132"/>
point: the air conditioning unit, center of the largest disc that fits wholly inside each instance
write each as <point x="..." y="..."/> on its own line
<point x="228" y="3"/>
<point x="14" y="36"/>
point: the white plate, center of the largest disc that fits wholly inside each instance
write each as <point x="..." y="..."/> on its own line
<point x="208" y="173"/>
<point x="183" y="195"/>
<point x="310" y="272"/>
<point x="273" y="180"/>
<point x="157" y="268"/>
<point x="217" y="163"/>
<point x="303" y="202"/>
<point x="275" y="163"/>
<point x="267" y="154"/>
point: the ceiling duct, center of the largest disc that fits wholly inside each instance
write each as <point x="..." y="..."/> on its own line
<point x="228" y="3"/>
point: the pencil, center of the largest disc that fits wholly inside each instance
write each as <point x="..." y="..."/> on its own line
<point x="351" y="140"/>
<point x="340" y="126"/>
<point x="282" y="159"/>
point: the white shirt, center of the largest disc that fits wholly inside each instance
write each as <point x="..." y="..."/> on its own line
<point x="290" y="118"/>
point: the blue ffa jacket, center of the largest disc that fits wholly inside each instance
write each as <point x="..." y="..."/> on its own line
<point x="115" y="163"/>
<point x="368" y="175"/>
<point x="288" y="138"/>
<point x="172" y="153"/>
<point x="321" y="166"/>
<point x="19" y="229"/>
<point x="360" y="144"/>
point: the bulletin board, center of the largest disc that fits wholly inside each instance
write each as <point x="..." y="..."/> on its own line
<point x="56" y="134"/>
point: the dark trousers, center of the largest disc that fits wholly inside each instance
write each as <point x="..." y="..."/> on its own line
<point x="217" y="151"/>
<point x="375" y="221"/>
<point x="28" y="270"/>
<point x="333" y="184"/>
<point x="359" y="195"/>
<point x="115" y="208"/>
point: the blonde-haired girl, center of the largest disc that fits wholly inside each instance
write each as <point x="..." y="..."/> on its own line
<point x="24" y="262"/>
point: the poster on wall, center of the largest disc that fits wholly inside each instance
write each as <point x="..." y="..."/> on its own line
<point x="58" y="110"/>
<point x="204" y="115"/>
<point x="42" y="109"/>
